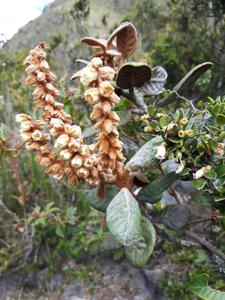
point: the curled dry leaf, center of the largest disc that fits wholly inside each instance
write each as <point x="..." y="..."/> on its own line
<point x="156" y="84"/>
<point x="126" y="39"/>
<point x="133" y="74"/>
<point x="94" y="42"/>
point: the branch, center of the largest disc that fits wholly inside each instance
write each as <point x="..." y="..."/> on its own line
<point x="205" y="243"/>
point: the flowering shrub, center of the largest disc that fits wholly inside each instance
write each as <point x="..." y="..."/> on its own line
<point x="185" y="141"/>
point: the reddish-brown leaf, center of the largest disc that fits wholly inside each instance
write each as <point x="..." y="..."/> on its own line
<point x="126" y="39"/>
<point x="94" y="42"/>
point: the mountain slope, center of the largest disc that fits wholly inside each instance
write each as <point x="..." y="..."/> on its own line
<point x="62" y="32"/>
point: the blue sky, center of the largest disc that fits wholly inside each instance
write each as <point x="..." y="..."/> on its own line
<point x="16" y="13"/>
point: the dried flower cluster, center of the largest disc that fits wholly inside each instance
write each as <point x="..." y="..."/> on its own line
<point x="69" y="156"/>
<point x="99" y="92"/>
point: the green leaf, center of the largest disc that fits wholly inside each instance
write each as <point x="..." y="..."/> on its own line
<point x="199" y="287"/>
<point x="59" y="231"/>
<point x="199" y="183"/>
<point x="220" y="119"/>
<point x="123" y="218"/>
<point x="192" y="76"/>
<point x="139" y="254"/>
<point x="102" y="204"/>
<point x="211" y="175"/>
<point x="220" y="170"/>
<point x="152" y="193"/>
<point x="133" y="74"/>
<point x="145" y="157"/>
<point x="187" y="81"/>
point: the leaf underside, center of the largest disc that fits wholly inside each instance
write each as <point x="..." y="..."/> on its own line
<point x="123" y="218"/>
<point x="145" y="156"/>
<point x="139" y="254"/>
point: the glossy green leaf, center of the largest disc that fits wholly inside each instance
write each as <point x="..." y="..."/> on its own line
<point x="199" y="183"/>
<point x="139" y="253"/>
<point x="59" y="231"/>
<point x="220" y="119"/>
<point x="145" y="156"/>
<point x="211" y="175"/>
<point x="220" y="170"/>
<point x="123" y="218"/>
<point x="152" y="193"/>
<point x="133" y="74"/>
<point x="199" y="287"/>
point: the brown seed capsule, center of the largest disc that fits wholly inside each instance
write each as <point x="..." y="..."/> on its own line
<point x="104" y="147"/>
<point x="108" y="125"/>
<point x="105" y="89"/>
<point x="106" y="107"/>
<point x="96" y="113"/>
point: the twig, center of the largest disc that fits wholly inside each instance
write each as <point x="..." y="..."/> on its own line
<point x="205" y="243"/>
<point x="172" y="190"/>
<point x="176" y="195"/>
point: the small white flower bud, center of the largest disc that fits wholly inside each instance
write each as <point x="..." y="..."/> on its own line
<point x="32" y="146"/>
<point x="161" y="151"/>
<point x="74" y="131"/>
<point x="50" y="87"/>
<point x="28" y="60"/>
<point x="92" y="147"/>
<point x="96" y="62"/>
<point x="74" y="144"/>
<point x="114" y="98"/>
<point x="84" y="150"/>
<point x="61" y="141"/>
<point x="88" y="162"/>
<point x="83" y="172"/>
<point x="105" y="89"/>
<point x="107" y="73"/>
<point x="26" y="136"/>
<point x="219" y="149"/>
<point x="22" y="118"/>
<point x="88" y="75"/>
<point x="37" y="135"/>
<point x="41" y="54"/>
<point x="57" y="123"/>
<point x="92" y="96"/>
<point x="58" y="176"/>
<point x="31" y="68"/>
<point x="41" y="76"/>
<point x="44" y="65"/>
<point x="39" y="124"/>
<point x="201" y="172"/>
<point x="77" y="161"/>
<point x="26" y="126"/>
<point x="54" y="132"/>
<point x="180" y="168"/>
<point x="65" y="154"/>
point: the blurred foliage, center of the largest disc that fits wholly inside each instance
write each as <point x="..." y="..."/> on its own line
<point x="181" y="34"/>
